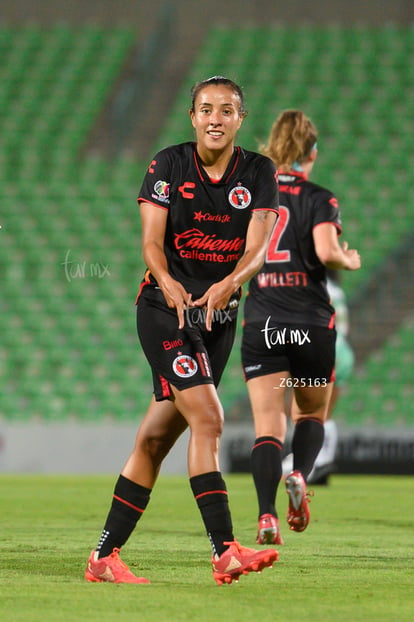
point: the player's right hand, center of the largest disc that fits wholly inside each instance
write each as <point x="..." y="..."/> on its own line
<point x="177" y="298"/>
<point x="353" y="257"/>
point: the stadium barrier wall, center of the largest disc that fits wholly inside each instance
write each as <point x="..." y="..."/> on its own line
<point x="73" y="447"/>
<point x="373" y="450"/>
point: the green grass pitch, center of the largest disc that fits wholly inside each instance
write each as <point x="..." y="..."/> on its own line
<point x="355" y="562"/>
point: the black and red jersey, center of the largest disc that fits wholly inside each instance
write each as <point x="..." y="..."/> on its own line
<point x="291" y="286"/>
<point x="207" y="220"/>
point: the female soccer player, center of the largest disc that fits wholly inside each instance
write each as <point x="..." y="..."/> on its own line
<point x="289" y="328"/>
<point x="207" y="210"/>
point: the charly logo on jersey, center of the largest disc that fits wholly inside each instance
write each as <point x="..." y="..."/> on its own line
<point x="334" y="201"/>
<point x="162" y="189"/>
<point x="240" y="197"/>
<point x="184" y="366"/>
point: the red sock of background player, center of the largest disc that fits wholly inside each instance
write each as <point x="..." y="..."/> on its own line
<point x="306" y="444"/>
<point x="266" y="467"/>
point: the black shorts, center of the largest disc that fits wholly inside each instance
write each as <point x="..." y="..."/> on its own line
<point x="306" y="352"/>
<point x="183" y="358"/>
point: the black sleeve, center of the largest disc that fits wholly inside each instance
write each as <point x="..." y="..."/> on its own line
<point x="326" y="209"/>
<point x="157" y="181"/>
<point x="267" y="194"/>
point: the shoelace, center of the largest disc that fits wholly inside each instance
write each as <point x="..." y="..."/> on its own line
<point x="240" y="548"/>
<point x="115" y="555"/>
<point x="235" y="543"/>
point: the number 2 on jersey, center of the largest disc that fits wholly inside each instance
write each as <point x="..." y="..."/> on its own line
<point x="273" y="253"/>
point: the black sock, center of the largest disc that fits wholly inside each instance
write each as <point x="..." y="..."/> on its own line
<point x="266" y="467"/>
<point x="306" y="444"/>
<point x="210" y="492"/>
<point x="128" y="504"/>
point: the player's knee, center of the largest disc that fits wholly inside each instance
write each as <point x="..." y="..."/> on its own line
<point x="210" y="422"/>
<point x="157" y="446"/>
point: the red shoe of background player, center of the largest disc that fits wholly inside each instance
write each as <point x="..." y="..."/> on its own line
<point x="268" y="531"/>
<point x="298" y="515"/>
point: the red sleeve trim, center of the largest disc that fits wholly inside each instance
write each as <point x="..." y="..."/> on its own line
<point x="141" y="200"/>
<point x="266" y="209"/>
<point x="329" y="222"/>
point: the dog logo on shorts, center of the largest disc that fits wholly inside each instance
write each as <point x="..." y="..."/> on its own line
<point x="184" y="366"/>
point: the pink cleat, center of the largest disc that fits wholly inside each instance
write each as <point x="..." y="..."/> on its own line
<point x="298" y="515"/>
<point x="238" y="560"/>
<point x="268" y="531"/>
<point x="111" y="569"/>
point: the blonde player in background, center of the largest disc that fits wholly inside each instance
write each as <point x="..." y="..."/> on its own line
<point x="289" y="334"/>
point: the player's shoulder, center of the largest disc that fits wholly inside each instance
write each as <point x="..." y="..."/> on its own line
<point x="318" y="190"/>
<point x="317" y="195"/>
<point x="172" y="152"/>
<point x="256" y="161"/>
<point x="249" y="155"/>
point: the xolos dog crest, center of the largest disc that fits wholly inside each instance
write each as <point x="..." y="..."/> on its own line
<point x="184" y="366"/>
<point x="240" y="197"/>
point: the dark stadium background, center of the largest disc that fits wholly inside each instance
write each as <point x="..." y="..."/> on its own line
<point x="88" y="92"/>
